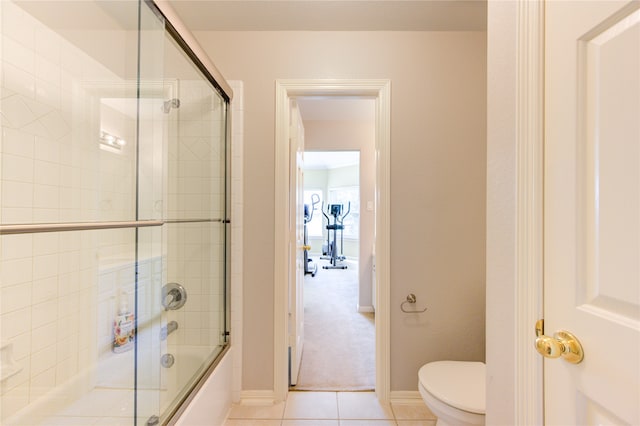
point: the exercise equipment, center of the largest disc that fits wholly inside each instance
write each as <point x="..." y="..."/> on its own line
<point x="330" y="250"/>
<point x="309" y="266"/>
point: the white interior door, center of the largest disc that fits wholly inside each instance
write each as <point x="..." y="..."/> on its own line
<point x="296" y="244"/>
<point x="592" y="209"/>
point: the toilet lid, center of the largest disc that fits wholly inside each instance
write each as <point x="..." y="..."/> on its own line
<point x="456" y="383"/>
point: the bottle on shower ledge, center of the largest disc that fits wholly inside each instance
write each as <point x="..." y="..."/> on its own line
<point x="123" y="327"/>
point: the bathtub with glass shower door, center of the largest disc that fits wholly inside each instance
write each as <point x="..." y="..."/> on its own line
<point x="113" y="243"/>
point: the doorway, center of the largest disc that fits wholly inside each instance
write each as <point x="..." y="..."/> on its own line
<point x="339" y="322"/>
<point x="286" y="90"/>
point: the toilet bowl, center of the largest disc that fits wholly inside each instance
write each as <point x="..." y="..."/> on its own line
<point x="454" y="391"/>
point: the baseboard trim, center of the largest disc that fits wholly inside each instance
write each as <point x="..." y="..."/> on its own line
<point x="405" y="397"/>
<point x="258" y="397"/>
<point x="365" y="309"/>
<point x="268" y="397"/>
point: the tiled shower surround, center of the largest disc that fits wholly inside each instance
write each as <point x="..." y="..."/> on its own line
<point x="60" y="291"/>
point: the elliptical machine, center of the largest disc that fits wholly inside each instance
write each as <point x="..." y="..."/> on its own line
<point x="309" y="266"/>
<point x="330" y="250"/>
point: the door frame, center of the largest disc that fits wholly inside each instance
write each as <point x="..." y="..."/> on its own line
<point x="515" y="173"/>
<point x="380" y="89"/>
<point x="529" y="169"/>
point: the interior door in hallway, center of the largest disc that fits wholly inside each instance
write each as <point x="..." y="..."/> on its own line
<point x="592" y="209"/>
<point x="296" y="243"/>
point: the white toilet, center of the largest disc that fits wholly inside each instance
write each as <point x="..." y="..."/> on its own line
<point x="454" y="391"/>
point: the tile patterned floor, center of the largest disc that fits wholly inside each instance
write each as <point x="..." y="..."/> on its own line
<point x="331" y="409"/>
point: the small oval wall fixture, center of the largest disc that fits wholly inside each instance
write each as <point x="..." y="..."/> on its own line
<point x="411" y="298"/>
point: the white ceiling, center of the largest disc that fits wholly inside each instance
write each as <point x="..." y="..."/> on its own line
<point x="322" y="160"/>
<point x="333" y="15"/>
<point x="273" y="15"/>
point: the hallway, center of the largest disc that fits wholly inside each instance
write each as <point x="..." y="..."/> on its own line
<point x="339" y="348"/>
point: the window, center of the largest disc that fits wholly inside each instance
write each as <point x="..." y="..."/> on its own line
<point x="314" y="228"/>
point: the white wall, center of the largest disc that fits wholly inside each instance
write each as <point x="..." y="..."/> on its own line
<point x="438" y="163"/>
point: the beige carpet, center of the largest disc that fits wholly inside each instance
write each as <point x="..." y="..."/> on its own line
<point x="339" y="348"/>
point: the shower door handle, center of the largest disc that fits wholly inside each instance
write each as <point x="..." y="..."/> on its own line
<point x="174" y="296"/>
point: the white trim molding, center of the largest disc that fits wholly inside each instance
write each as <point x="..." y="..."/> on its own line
<point x="365" y="309"/>
<point x="381" y="90"/>
<point x="406" y="397"/>
<point x="257" y="397"/>
<point x="530" y="203"/>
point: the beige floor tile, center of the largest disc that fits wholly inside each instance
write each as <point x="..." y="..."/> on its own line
<point x="362" y="405"/>
<point x="256" y="411"/>
<point x="417" y="411"/>
<point x="416" y="423"/>
<point x="367" y="423"/>
<point x="310" y="422"/>
<point x="311" y="405"/>
<point x="252" y="422"/>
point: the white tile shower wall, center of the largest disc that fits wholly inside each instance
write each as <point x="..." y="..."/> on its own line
<point x="53" y="336"/>
<point x="197" y="189"/>
<point x="52" y="171"/>
<point x="196" y="192"/>
<point x="117" y="170"/>
<point x="117" y="370"/>
<point x="191" y="253"/>
<point x="52" y="167"/>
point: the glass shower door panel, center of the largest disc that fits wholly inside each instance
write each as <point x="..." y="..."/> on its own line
<point x="61" y="295"/>
<point x="194" y="262"/>
<point x="195" y="215"/>
<point x="68" y="111"/>
<point x="152" y="332"/>
<point x="151" y="252"/>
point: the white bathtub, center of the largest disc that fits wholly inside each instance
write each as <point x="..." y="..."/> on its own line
<point x="105" y="395"/>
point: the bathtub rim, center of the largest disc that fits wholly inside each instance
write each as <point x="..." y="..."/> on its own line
<point x="174" y="415"/>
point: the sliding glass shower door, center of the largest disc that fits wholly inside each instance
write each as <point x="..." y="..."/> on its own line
<point x="192" y="311"/>
<point x="112" y="215"/>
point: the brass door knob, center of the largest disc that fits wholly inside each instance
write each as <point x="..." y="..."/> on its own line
<point x="562" y="344"/>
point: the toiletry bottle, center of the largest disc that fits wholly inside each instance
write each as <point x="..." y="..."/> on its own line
<point x="123" y="327"/>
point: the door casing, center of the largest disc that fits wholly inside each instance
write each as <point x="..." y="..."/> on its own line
<point x="530" y="70"/>
<point x="515" y="152"/>
<point x="380" y="89"/>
